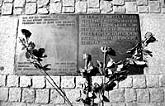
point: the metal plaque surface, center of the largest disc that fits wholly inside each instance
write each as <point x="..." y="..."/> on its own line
<point x="58" y="35"/>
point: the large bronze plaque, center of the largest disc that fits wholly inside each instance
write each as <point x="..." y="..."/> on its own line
<point x="58" y="35"/>
<point x="67" y="37"/>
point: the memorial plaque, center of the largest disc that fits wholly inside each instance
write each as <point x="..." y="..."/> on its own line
<point x="58" y="35"/>
<point x="66" y="37"/>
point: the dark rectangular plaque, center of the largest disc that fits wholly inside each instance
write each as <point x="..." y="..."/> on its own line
<point x="58" y="35"/>
<point x="66" y="37"/>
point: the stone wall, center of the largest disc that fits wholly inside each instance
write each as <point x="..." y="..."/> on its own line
<point x="136" y="90"/>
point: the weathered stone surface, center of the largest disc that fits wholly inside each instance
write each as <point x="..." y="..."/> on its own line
<point x="43" y="10"/>
<point x="154" y="7"/>
<point x="116" y="104"/>
<point x="152" y="80"/>
<point x="68" y="9"/>
<point x="81" y="7"/>
<point x="3" y="94"/>
<point x="126" y="83"/>
<point x="93" y="3"/>
<point x="56" y="80"/>
<point x="139" y="81"/>
<point x="55" y="97"/>
<point x="18" y="104"/>
<point x="130" y="95"/>
<point x="1" y="3"/>
<point x="25" y="81"/>
<point x="55" y="1"/>
<point x="131" y="104"/>
<point x="162" y="80"/>
<point x="119" y="9"/>
<point x="42" y="3"/>
<point x="142" y="95"/>
<point x="8" y="1"/>
<point x="72" y="94"/>
<point x="142" y="2"/>
<point x="118" y="2"/>
<point x="30" y="8"/>
<point x="19" y="3"/>
<point x="32" y="104"/>
<point x="156" y="95"/>
<point x="12" y="81"/>
<point x="67" y="81"/>
<point x="68" y="2"/>
<point x="163" y="10"/>
<point x="131" y="7"/>
<point x="2" y="80"/>
<point x="31" y="1"/>
<point x="93" y="10"/>
<point x="18" y="11"/>
<point x="42" y="96"/>
<point x="55" y="7"/>
<point x="116" y="95"/>
<point x="80" y="81"/>
<point x="15" y="94"/>
<point x="106" y="6"/>
<point x="7" y="8"/>
<point x="28" y="95"/>
<point x="38" y="81"/>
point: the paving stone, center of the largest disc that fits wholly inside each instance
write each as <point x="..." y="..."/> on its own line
<point x="8" y="1"/>
<point x="2" y="80"/>
<point x="93" y="3"/>
<point x="55" y="97"/>
<point x="127" y="83"/>
<point x="42" y="3"/>
<point x="154" y="7"/>
<point x="131" y="7"/>
<point x="116" y="95"/>
<point x="142" y="2"/>
<point x="30" y="8"/>
<point x="7" y="9"/>
<point x="18" y="11"/>
<point x="68" y="2"/>
<point x="142" y="95"/>
<point x="130" y="95"/>
<point x="68" y="9"/>
<point x="19" y="3"/>
<point x="42" y="96"/>
<point x="12" y="81"/>
<point x="143" y="9"/>
<point x="156" y="95"/>
<point x="81" y="7"/>
<point x="38" y="81"/>
<point x="72" y="94"/>
<point x="3" y="94"/>
<point x="118" y="2"/>
<point x="93" y="10"/>
<point x="28" y="95"/>
<point x="139" y="81"/>
<point x="15" y="94"/>
<point x="18" y="104"/>
<point x="117" y="104"/>
<point x="56" y="79"/>
<point x="25" y="81"/>
<point x="43" y="10"/>
<point x="55" y="7"/>
<point x="32" y="104"/>
<point x="31" y="1"/>
<point x="106" y="6"/>
<point x="80" y="81"/>
<point x="119" y="9"/>
<point x="55" y="1"/>
<point x="152" y="81"/>
<point x="67" y="81"/>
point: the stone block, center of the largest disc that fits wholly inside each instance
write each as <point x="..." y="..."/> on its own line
<point x="81" y="7"/>
<point x="55" y="97"/>
<point x="55" y="7"/>
<point x="42" y="96"/>
<point x="42" y="3"/>
<point x="152" y="80"/>
<point x="28" y="95"/>
<point x="25" y="81"/>
<point x="3" y="94"/>
<point x="32" y="104"/>
<point x="80" y="81"/>
<point x="93" y="10"/>
<point x="7" y="9"/>
<point x="142" y="95"/>
<point x="43" y="10"/>
<point x="56" y="79"/>
<point x="72" y="94"/>
<point x="119" y="9"/>
<point x="131" y="104"/>
<point x="154" y="7"/>
<point x="162" y="80"/>
<point x="2" y="80"/>
<point x="67" y="81"/>
<point x="106" y="6"/>
<point x="156" y="95"/>
<point x="116" y="104"/>
<point x="130" y="95"/>
<point x="127" y="83"/>
<point x="55" y="1"/>
<point x="139" y="81"/>
<point x="19" y="3"/>
<point x="38" y="81"/>
<point x="18" y="11"/>
<point x="93" y="3"/>
<point x="68" y="2"/>
<point x="30" y="8"/>
<point x="31" y="1"/>
<point x="68" y="9"/>
<point x="142" y="2"/>
<point x="12" y="81"/>
<point x="18" y="104"/>
<point x="8" y="1"/>
<point x="131" y="7"/>
<point x="116" y="95"/>
<point x="15" y="94"/>
<point x="118" y="2"/>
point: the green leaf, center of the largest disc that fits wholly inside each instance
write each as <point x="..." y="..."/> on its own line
<point x="105" y="98"/>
